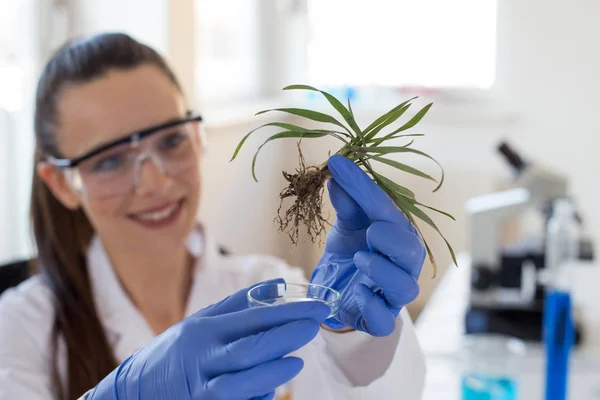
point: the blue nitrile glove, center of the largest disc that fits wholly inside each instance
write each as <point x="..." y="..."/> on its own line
<point x="373" y="255"/>
<point x="225" y="351"/>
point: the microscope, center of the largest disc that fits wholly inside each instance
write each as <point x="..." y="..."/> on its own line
<point x="506" y="290"/>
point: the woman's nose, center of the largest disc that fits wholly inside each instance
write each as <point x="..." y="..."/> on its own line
<point x="150" y="176"/>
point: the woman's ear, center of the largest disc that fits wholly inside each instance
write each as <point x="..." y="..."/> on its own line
<point x="55" y="179"/>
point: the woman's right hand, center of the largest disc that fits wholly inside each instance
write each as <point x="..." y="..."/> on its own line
<point x="225" y="351"/>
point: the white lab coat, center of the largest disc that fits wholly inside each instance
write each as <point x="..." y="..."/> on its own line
<point x="337" y="366"/>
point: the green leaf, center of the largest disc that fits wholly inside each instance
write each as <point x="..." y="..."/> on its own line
<point x="416" y="118"/>
<point x="344" y="112"/>
<point x="398" y="149"/>
<point x="282" y="135"/>
<point x="403" y="167"/>
<point x="284" y="126"/>
<point x="396" y="137"/>
<point x="386" y="116"/>
<point x="412" y="122"/>
<point x="350" y="109"/>
<point x="392" y="118"/>
<point x="301" y="87"/>
<point x="437" y="210"/>
<point x="291" y="127"/>
<point x="425" y="218"/>
<point x="394" y="187"/>
<point x="309" y="114"/>
<point x="397" y="189"/>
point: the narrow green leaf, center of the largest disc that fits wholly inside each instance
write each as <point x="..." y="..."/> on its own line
<point x="386" y="116"/>
<point x="417" y="118"/>
<point x="331" y="133"/>
<point x="239" y="146"/>
<point x="425" y="218"/>
<point x="399" y="190"/>
<point x="397" y="137"/>
<point x="301" y="87"/>
<point x="392" y="118"/>
<point x="403" y="167"/>
<point x="350" y="109"/>
<point x="309" y="114"/>
<point x="282" y="135"/>
<point x="394" y="187"/>
<point x="344" y="112"/>
<point x="291" y="127"/>
<point x="438" y="211"/>
<point x="412" y="122"/>
<point x="427" y="248"/>
<point x="398" y="149"/>
<point x="284" y="126"/>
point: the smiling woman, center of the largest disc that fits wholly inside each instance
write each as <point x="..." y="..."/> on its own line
<point x="133" y="299"/>
<point x="94" y="175"/>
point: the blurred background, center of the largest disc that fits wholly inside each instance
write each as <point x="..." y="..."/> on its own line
<point x="524" y="72"/>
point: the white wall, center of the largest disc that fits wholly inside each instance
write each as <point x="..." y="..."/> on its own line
<point x="550" y="67"/>
<point x="145" y="20"/>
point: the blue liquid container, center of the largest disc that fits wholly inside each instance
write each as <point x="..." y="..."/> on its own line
<point x="484" y="387"/>
<point x="490" y="367"/>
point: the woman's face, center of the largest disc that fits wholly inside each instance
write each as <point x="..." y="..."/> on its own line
<point x="159" y="213"/>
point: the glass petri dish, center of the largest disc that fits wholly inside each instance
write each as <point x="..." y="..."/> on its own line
<point x="271" y="294"/>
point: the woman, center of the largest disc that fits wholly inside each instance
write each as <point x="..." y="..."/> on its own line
<point x="121" y="307"/>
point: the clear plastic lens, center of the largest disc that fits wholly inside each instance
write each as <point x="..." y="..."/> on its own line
<point x="113" y="173"/>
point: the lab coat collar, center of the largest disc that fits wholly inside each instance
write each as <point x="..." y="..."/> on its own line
<point x="124" y="324"/>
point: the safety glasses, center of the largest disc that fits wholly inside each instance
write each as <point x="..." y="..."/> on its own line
<point x="114" y="169"/>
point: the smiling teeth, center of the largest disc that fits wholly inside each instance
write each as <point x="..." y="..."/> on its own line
<point x="158" y="215"/>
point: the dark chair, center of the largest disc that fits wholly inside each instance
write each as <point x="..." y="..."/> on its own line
<point x="13" y="273"/>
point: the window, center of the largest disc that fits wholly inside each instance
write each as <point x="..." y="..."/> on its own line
<point x="19" y="52"/>
<point x="11" y="66"/>
<point x="402" y="43"/>
<point x="228" y="53"/>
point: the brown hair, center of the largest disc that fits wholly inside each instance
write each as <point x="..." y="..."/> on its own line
<point x="62" y="235"/>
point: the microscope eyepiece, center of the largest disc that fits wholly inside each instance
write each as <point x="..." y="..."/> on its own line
<point x="511" y="156"/>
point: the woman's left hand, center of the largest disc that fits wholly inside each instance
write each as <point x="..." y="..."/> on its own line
<point x="373" y="255"/>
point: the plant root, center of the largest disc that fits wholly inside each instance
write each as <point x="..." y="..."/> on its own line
<point x="305" y="187"/>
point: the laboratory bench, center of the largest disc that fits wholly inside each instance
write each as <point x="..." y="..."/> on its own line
<point x="440" y="330"/>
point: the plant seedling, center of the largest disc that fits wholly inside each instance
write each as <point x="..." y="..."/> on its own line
<point x="362" y="146"/>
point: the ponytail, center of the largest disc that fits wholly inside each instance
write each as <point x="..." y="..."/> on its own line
<point x="63" y="235"/>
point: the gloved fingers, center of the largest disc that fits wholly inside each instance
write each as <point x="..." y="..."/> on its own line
<point x="262" y="347"/>
<point x="233" y="303"/>
<point x="375" y="203"/>
<point x="404" y="248"/>
<point x="259" y="319"/>
<point x="376" y="318"/>
<point x="350" y="216"/>
<point x="399" y="287"/>
<point x="256" y="381"/>
<point x="269" y="396"/>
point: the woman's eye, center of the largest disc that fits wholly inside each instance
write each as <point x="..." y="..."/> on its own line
<point x="173" y="140"/>
<point x="108" y="163"/>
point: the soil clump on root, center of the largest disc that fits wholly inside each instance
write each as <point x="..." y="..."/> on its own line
<point x="305" y="187"/>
